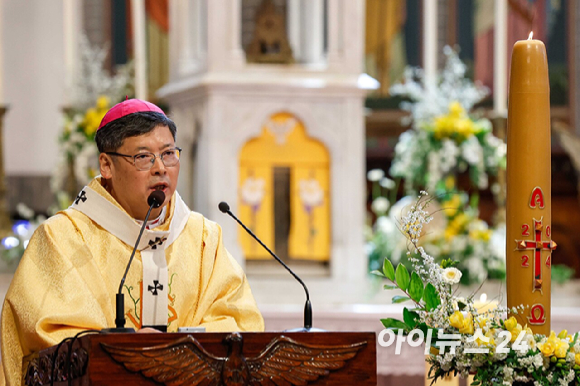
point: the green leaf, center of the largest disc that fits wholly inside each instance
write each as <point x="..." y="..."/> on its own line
<point x="402" y="277"/>
<point x="394" y="324"/>
<point x="390" y="287"/>
<point x="388" y="270"/>
<point x="431" y="297"/>
<point x="377" y="272"/>
<point x="400" y="299"/>
<point x="446" y="263"/>
<point x="411" y="318"/>
<point x="416" y="287"/>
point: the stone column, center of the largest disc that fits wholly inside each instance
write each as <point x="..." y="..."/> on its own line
<point x="139" y="48"/>
<point x="312" y="39"/>
<point x="430" y="40"/>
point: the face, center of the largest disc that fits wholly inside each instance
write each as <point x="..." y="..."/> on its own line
<point x="131" y="187"/>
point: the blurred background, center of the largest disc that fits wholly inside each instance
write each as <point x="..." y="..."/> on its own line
<point x="318" y="121"/>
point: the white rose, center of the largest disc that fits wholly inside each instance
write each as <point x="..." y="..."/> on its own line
<point x="451" y="275"/>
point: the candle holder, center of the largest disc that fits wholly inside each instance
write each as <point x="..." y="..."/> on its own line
<point x="5" y="222"/>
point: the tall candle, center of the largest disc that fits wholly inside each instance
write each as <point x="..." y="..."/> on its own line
<point x="529" y="246"/>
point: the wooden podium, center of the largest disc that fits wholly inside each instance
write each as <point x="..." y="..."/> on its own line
<point x="228" y="359"/>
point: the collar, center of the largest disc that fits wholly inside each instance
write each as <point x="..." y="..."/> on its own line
<point x="96" y="203"/>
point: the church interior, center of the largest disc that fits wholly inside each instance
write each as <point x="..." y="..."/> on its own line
<point x="318" y="121"/>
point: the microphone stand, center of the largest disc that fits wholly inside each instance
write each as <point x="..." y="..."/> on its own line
<point x="225" y="208"/>
<point x="155" y="200"/>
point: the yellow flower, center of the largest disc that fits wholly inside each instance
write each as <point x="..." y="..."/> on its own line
<point x="510" y="324"/>
<point x="563" y="334"/>
<point x="577" y="358"/>
<point x="456" y="320"/>
<point x="467" y="327"/>
<point x="547" y="348"/>
<point x="434" y="350"/>
<point x="481" y="321"/>
<point x="103" y="103"/>
<point x="515" y="332"/>
<point x="450" y="183"/>
<point x="561" y="349"/>
<point x="451" y="206"/>
<point x="91" y="121"/>
<point x="456" y="110"/>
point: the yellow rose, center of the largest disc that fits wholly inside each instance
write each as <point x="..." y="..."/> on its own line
<point x="577" y="358"/>
<point x="467" y="327"/>
<point x="547" y="348"/>
<point x="561" y="349"/>
<point x="511" y="323"/>
<point x="456" y="320"/>
<point x="515" y="332"/>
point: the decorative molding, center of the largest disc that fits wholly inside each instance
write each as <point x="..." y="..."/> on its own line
<point x="39" y="369"/>
<point x="186" y="362"/>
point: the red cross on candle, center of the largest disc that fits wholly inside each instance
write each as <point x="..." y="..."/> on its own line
<point x="538" y="245"/>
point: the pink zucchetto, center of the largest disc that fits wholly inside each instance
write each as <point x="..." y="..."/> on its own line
<point x="127" y="107"/>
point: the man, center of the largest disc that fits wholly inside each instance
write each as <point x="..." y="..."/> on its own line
<point x="181" y="275"/>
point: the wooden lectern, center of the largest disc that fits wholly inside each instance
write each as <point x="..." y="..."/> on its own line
<point x="227" y="359"/>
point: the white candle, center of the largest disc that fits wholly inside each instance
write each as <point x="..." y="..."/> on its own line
<point x="500" y="59"/>
<point x="430" y="41"/>
<point x="139" y="48"/>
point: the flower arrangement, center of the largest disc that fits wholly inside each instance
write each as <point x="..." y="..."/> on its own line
<point x="484" y="342"/>
<point x="79" y="154"/>
<point x="444" y="139"/>
<point x="455" y="233"/>
<point x="94" y="91"/>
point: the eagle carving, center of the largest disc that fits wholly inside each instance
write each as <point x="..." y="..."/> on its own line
<point x="185" y="362"/>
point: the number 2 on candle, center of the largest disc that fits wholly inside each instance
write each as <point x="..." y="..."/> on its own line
<point x="525" y="259"/>
<point x="525" y="230"/>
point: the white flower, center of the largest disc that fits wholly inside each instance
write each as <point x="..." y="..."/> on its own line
<point x="311" y="193"/>
<point x="451" y="275"/>
<point x="375" y="175"/>
<point x="387" y="183"/>
<point x="380" y="205"/>
<point x="253" y="191"/>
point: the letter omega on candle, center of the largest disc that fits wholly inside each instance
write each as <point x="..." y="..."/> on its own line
<point x="529" y="246"/>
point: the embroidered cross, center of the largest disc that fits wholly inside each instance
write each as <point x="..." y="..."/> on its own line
<point x="154" y="243"/>
<point x="155" y="287"/>
<point x="537" y="245"/>
<point x="82" y="196"/>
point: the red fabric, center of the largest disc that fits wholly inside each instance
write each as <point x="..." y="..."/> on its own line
<point x="127" y="107"/>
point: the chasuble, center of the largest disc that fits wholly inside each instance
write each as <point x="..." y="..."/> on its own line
<point x="181" y="276"/>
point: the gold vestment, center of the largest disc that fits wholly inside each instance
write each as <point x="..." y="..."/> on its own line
<point x="67" y="280"/>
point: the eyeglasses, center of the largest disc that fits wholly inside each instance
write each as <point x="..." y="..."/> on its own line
<point x="145" y="161"/>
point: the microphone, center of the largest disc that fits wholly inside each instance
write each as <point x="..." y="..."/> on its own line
<point x="225" y="208"/>
<point x="155" y="200"/>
